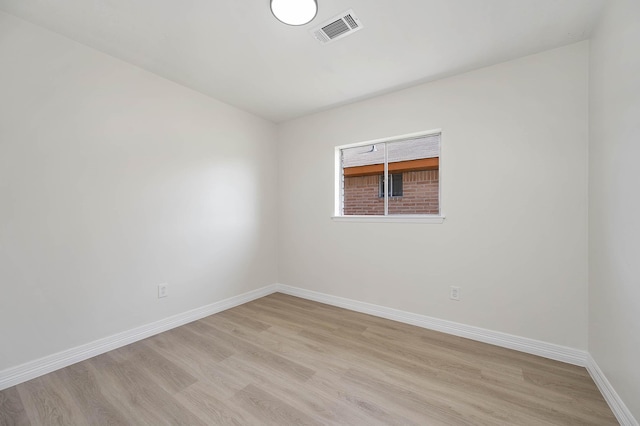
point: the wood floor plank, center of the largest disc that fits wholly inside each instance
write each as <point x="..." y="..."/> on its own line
<point x="303" y="351"/>
<point x="85" y="389"/>
<point x="249" y="312"/>
<point x="12" y="412"/>
<point x="205" y="369"/>
<point x="269" y="409"/>
<point x="307" y="399"/>
<point x="188" y="336"/>
<point x="320" y="315"/>
<point x="284" y="360"/>
<point x="49" y="403"/>
<point x="255" y="353"/>
<point x="146" y="401"/>
<point x="170" y="376"/>
<point x="203" y="400"/>
<point x="360" y="400"/>
<point x="244" y="322"/>
<point x="530" y="399"/>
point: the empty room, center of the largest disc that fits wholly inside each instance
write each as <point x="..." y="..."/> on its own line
<point x="284" y="212"/>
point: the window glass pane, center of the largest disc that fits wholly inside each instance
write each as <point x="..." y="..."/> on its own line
<point x="395" y="185"/>
<point x="362" y="171"/>
<point x="418" y="162"/>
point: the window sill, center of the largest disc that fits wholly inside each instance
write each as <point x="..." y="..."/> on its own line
<point x="391" y="219"/>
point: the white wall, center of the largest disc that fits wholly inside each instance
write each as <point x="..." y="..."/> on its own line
<point x="614" y="201"/>
<point x="113" y="180"/>
<point x="514" y="184"/>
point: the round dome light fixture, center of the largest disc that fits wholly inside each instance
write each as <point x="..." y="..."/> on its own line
<point x="294" y="12"/>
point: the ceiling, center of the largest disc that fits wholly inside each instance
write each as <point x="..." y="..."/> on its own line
<point x="237" y="52"/>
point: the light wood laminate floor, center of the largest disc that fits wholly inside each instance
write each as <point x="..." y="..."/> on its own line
<point x="283" y="360"/>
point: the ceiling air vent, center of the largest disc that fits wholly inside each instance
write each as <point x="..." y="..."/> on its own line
<point x="337" y="27"/>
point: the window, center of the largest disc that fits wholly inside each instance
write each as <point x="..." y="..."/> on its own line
<point x="396" y="177"/>
<point x="395" y="185"/>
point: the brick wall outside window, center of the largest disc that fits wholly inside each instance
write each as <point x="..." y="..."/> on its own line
<point x="420" y="195"/>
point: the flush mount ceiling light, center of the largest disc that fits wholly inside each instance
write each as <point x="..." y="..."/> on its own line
<point x="294" y="12"/>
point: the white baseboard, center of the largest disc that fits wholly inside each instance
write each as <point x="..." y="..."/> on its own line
<point x="32" y="369"/>
<point x="622" y="413"/>
<point x="522" y="344"/>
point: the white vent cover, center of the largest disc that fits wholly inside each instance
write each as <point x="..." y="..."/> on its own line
<point x="337" y="27"/>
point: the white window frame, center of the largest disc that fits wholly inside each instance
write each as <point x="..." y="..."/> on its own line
<point x="413" y="218"/>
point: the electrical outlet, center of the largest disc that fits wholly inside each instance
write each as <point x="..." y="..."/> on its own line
<point x="454" y="293"/>
<point x="163" y="290"/>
